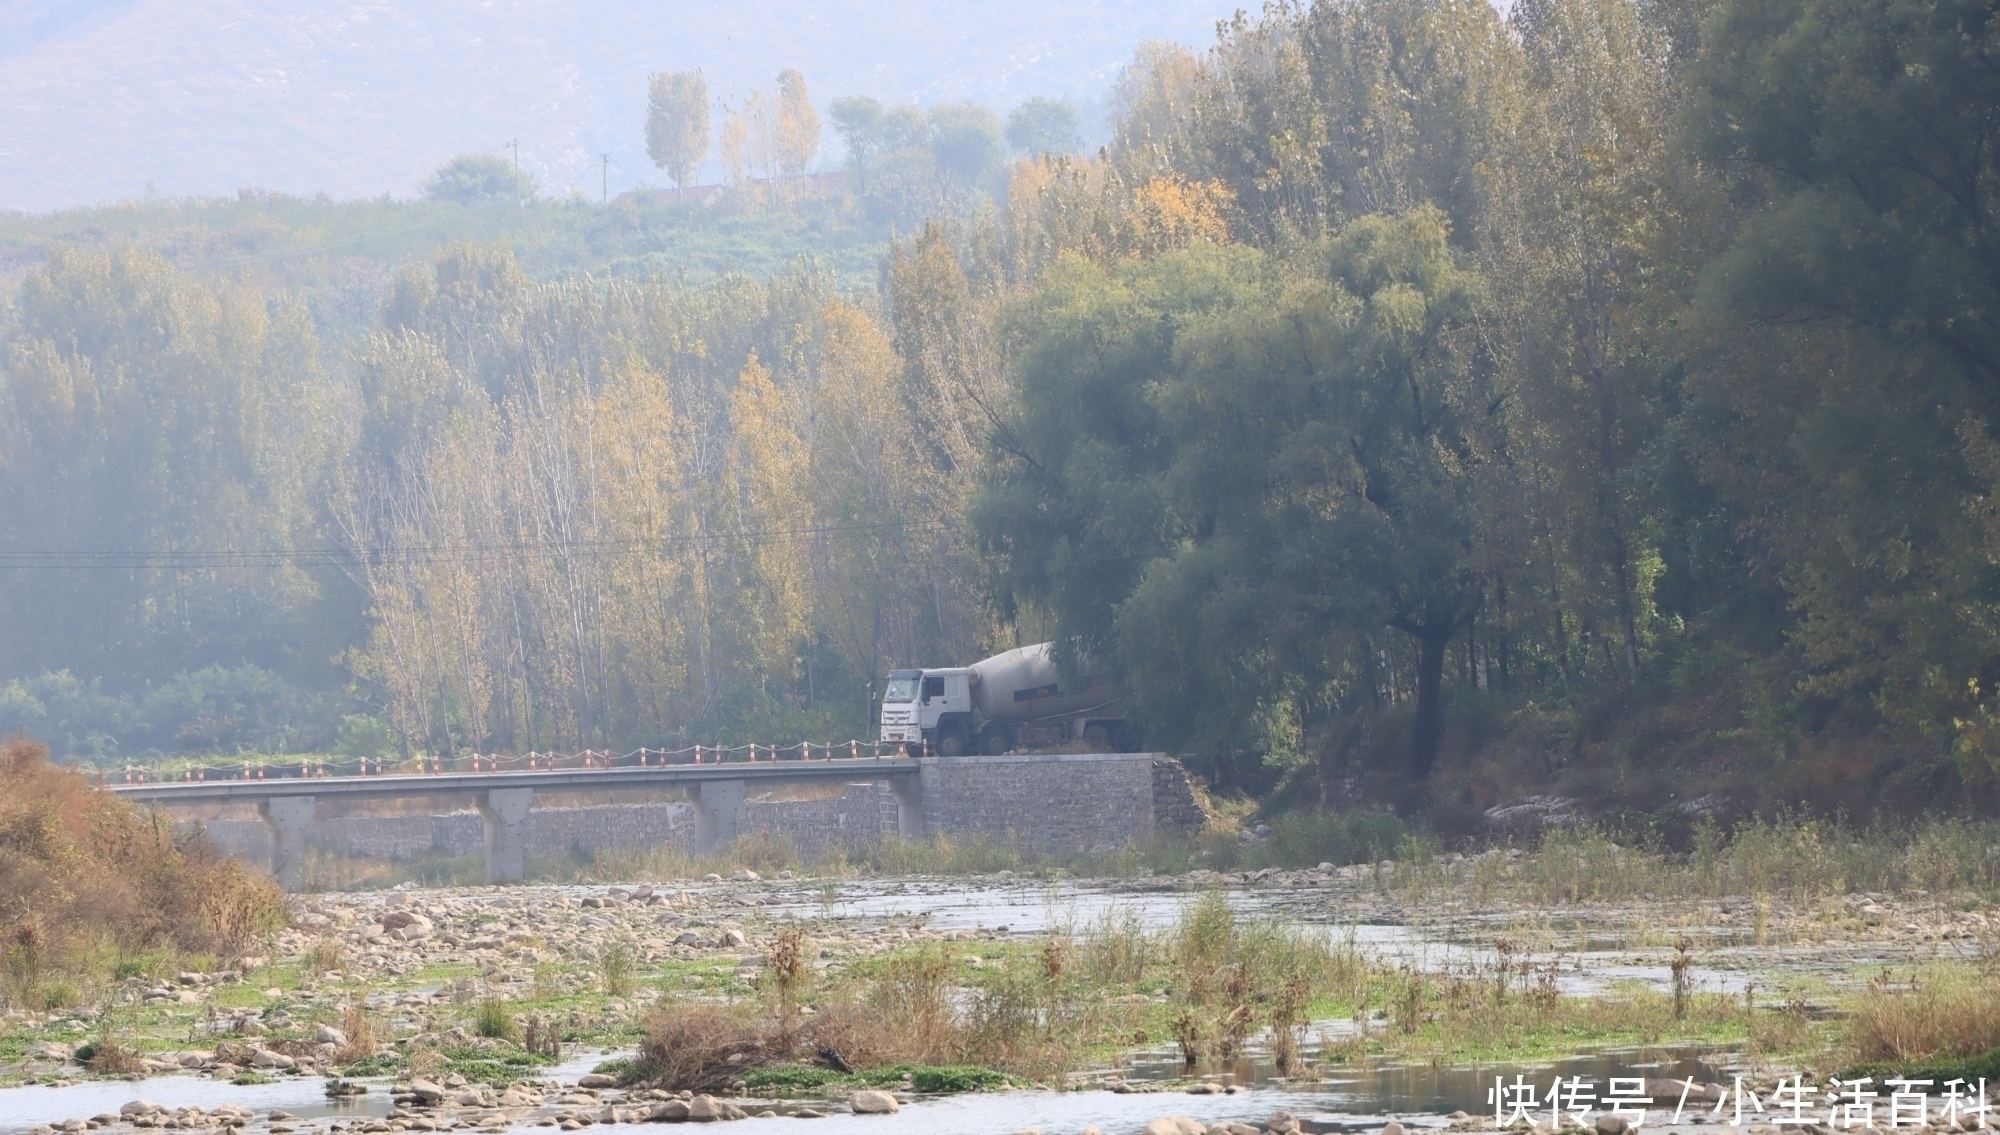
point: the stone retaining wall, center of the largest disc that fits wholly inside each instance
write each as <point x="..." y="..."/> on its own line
<point x="1094" y="802"/>
<point x="1037" y="802"/>
<point x="816" y="827"/>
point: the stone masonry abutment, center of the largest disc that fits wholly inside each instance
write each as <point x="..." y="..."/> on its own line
<point x="1039" y="803"/>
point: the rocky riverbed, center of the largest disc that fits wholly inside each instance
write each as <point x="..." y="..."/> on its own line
<point x="589" y="961"/>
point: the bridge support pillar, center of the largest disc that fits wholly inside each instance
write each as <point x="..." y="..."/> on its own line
<point x="505" y="811"/>
<point x="908" y="791"/>
<point x="289" y="819"/>
<point x="715" y="806"/>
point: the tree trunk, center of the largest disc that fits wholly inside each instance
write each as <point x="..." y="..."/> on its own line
<point x="1429" y="729"/>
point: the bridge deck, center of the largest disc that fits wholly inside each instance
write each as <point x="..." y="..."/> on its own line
<point x="551" y="780"/>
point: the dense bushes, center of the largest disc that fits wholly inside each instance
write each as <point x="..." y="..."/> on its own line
<point x="200" y="711"/>
<point x="89" y="885"/>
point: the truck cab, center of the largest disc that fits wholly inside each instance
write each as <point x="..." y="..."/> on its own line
<point x="932" y="706"/>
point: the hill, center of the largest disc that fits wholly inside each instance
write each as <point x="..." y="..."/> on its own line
<point x="114" y="99"/>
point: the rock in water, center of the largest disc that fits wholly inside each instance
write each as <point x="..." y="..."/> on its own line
<point x="705" y="1109"/>
<point x="1176" y="1125"/>
<point x="872" y="1102"/>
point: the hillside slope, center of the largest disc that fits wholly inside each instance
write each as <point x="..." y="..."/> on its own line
<point x="361" y="98"/>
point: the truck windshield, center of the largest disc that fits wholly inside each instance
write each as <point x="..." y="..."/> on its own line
<point x="902" y="689"/>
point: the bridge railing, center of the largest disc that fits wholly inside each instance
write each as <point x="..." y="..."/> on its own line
<point x="315" y="768"/>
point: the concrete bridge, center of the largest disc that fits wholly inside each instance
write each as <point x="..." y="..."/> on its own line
<point x="504" y="798"/>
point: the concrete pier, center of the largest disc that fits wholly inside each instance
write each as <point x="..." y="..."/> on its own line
<point x="505" y="811"/>
<point x="290" y="820"/>
<point x="716" y="804"/>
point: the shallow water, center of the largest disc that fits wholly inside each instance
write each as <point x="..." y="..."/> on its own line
<point x="1356" y="1099"/>
<point x="22" y="1109"/>
<point x="1352" y="1098"/>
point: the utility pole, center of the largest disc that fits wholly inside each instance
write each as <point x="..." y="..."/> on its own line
<point x="604" y="194"/>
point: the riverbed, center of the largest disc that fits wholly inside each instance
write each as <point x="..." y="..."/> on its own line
<point x="1590" y="948"/>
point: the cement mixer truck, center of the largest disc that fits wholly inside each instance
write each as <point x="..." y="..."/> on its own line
<point x="1013" y="700"/>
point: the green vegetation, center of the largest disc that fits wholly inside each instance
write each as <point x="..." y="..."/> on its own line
<point x="99" y="892"/>
<point x="1420" y="407"/>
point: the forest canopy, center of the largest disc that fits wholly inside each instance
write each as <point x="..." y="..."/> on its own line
<point x="1411" y="401"/>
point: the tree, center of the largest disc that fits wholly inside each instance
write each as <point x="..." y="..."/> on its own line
<point x="476" y="179"/>
<point x="1235" y="472"/>
<point x="1044" y="125"/>
<point x="858" y="119"/>
<point x="677" y="123"/>
<point x="966" y="139"/>
<point x="797" y="129"/>
<point x="1849" y="374"/>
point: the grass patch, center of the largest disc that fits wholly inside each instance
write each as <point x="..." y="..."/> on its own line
<point x="1946" y="1014"/>
<point x="495" y="1019"/>
<point x="497" y="1069"/>
<point x="379" y="1064"/>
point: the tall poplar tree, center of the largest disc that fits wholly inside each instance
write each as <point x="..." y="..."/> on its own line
<point x="677" y="123"/>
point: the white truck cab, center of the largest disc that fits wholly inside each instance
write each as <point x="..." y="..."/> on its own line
<point x="915" y="702"/>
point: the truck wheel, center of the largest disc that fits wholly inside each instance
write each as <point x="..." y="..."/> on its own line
<point x="995" y="741"/>
<point x="1097" y="739"/>
<point x="951" y="742"/>
<point x="1130" y="738"/>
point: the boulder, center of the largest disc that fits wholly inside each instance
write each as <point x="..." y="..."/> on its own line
<point x="743" y="875"/>
<point x="1392" y="1128"/>
<point x="1175" y="1125"/>
<point x="50" y="1050"/>
<point x="672" y="1111"/>
<point x="137" y="1108"/>
<point x="706" y="1109"/>
<point x="597" y="1080"/>
<point x="731" y="939"/>
<point x="329" y="1035"/>
<point x="871" y="1102"/>
<point x="428" y="1092"/>
<point x="1609" y="1124"/>
<point x="265" y="1058"/>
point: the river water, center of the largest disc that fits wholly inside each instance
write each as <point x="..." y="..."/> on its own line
<point x="1353" y="1098"/>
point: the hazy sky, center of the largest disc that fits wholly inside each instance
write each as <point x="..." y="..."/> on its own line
<point x="104" y="97"/>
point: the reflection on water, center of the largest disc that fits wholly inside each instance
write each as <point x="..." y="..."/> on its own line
<point x="22" y="1109"/>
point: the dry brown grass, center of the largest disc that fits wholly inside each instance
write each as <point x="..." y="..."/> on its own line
<point x="323" y="956"/>
<point x="1944" y="1012"/>
<point x="703" y="1047"/>
<point x="364" y="1036"/>
<point x="83" y="873"/>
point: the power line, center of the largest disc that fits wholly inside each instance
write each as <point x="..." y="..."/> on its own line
<point x="31" y="559"/>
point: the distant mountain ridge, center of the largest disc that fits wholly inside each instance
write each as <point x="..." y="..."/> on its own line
<point x="112" y="99"/>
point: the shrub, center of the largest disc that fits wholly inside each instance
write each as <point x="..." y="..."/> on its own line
<point x="87" y="874"/>
<point x="474" y="179"/>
